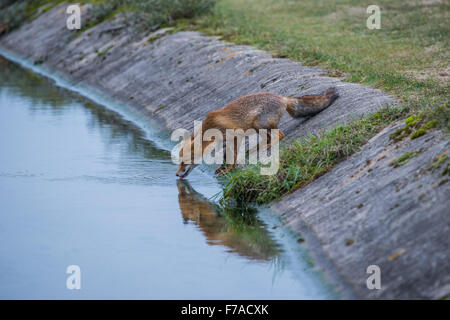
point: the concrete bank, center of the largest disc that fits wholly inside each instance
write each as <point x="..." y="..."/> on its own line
<point x="362" y="213"/>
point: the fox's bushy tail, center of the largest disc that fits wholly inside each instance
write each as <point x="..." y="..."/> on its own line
<point x="312" y="104"/>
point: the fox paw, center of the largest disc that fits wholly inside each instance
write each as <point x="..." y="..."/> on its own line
<point x="223" y="169"/>
<point x="220" y="171"/>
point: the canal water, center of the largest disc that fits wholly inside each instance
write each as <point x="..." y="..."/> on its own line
<point x="80" y="184"/>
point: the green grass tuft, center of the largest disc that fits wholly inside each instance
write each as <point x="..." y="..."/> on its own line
<point x="403" y="159"/>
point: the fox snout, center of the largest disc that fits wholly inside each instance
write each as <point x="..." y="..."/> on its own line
<point x="181" y="170"/>
<point x="184" y="170"/>
<point x="185" y="166"/>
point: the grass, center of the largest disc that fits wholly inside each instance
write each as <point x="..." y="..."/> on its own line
<point x="403" y="159"/>
<point x="14" y="13"/>
<point x="334" y="36"/>
<point x="408" y="57"/>
<point x="151" y="13"/>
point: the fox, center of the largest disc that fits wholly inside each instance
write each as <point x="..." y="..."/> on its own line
<point x="262" y="110"/>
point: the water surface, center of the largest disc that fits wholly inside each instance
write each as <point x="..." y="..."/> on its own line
<point x="81" y="185"/>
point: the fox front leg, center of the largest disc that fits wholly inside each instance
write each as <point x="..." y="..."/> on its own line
<point x="220" y="171"/>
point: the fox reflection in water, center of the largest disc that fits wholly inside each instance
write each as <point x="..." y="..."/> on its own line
<point x="243" y="234"/>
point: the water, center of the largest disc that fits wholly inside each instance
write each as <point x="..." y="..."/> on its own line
<point x="82" y="185"/>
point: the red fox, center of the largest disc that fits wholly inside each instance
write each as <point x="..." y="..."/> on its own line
<point x="255" y="111"/>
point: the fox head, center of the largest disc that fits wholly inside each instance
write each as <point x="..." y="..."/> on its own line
<point x="186" y="163"/>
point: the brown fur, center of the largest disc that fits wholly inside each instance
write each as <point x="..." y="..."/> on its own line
<point x="259" y="111"/>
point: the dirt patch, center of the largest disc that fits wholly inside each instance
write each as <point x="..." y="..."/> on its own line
<point x="440" y="74"/>
<point x="430" y="2"/>
<point x="347" y="12"/>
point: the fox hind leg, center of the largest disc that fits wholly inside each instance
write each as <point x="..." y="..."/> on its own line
<point x="270" y="142"/>
<point x="227" y="167"/>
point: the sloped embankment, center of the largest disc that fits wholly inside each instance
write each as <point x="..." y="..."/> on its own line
<point x="366" y="211"/>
